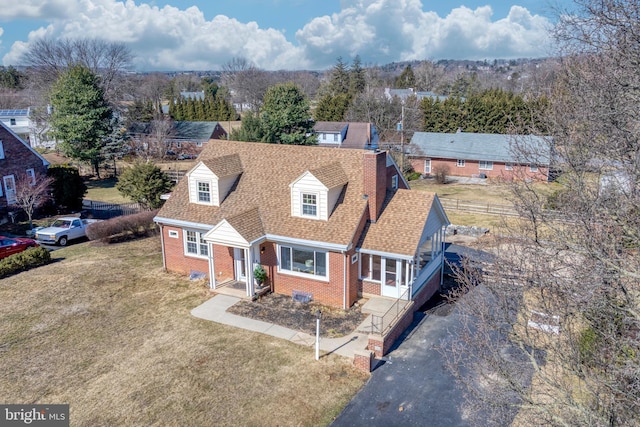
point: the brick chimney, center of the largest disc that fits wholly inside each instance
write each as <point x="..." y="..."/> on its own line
<point x="375" y="181"/>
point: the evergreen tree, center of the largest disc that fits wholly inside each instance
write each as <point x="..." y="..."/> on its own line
<point x="68" y="188"/>
<point x="407" y="79"/>
<point x="357" y="78"/>
<point x="250" y="129"/>
<point x="340" y="78"/>
<point x="144" y="183"/>
<point x="285" y="116"/>
<point x="81" y="117"/>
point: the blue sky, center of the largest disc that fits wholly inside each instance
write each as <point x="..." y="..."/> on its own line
<point x="285" y="34"/>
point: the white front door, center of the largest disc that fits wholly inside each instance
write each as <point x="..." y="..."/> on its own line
<point x="239" y="259"/>
<point x="427" y="166"/>
<point x="391" y="275"/>
<point x="10" y="189"/>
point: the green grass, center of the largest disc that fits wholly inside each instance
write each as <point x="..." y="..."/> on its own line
<point x="104" y="190"/>
<point x="106" y="330"/>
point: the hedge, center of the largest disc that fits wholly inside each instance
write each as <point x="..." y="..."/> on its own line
<point x="123" y="227"/>
<point x="31" y="258"/>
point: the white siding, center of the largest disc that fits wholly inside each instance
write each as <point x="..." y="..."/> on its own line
<point x="333" y="196"/>
<point x="225" y="234"/>
<point x="202" y="174"/>
<point x="224" y="186"/>
<point x="309" y="184"/>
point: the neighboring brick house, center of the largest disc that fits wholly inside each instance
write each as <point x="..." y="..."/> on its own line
<point x="183" y="137"/>
<point x="17" y="161"/>
<point x="481" y="155"/>
<point x="334" y="224"/>
<point x="347" y="135"/>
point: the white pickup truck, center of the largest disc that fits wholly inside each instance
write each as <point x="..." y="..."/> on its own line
<point x="63" y="229"/>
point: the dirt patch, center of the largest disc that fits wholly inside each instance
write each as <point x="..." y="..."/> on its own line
<point x="284" y="311"/>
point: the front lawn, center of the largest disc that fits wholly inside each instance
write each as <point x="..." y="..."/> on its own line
<point x="107" y="331"/>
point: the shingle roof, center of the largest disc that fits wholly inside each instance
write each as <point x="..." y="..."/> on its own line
<point x="331" y="175"/>
<point x="267" y="171"/>
<point x="331" y="127"/>
<point x="260" y="203"/>
<point x="225" y="165"/>
<point x="358" y="135"/>
<point x="181" y="130"/>
<point x="399" y="228"/>
<point x="481" y="146"/>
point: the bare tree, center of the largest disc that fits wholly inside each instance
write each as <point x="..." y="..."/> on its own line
<point x="48" y="58"/>
<point x="247" y="83"/>
<point x="551" y="329"/>
<point x="32" y="191"/>
<point x="154" y="140"/>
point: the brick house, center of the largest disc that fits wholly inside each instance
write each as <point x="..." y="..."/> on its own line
<point x="481" y="155"/>
<point x="17" y="161"/>
<point x="183" y="137"/>
<point x="332" y="224"/>
<point x="347" y="135"/>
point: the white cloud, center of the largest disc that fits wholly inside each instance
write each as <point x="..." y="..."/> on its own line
<point x="380" y="31"/>
<point x="36" y="9"/>
<point x="383" y="31"/>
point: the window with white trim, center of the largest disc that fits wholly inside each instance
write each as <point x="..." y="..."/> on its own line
<point x="460" y="163"/>
<point x="370" y="267"/>
<point x="427" y="165"/>
<point x="303" y="261"/>
<point x="335" y="137"/>
<point x="31" y="174"/>
<point x="195" y="244"/>
<point x="394" y="182"/>
<point x="533" y="167"/>
<point x="204" y="192"/>
<point x="485" y="165"/>
<point x="309" y="204"/>
<point x="508" y="166"/>
<point x="1" y="151"/>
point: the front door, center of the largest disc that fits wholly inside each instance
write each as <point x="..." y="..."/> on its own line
<point x="239" y="259"/>
<point x="391" y="277"/>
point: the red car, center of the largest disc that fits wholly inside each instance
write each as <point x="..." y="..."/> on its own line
<point x="13" y="245"/>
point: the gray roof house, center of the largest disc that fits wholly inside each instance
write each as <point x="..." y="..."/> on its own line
<point x="491" y="155"/>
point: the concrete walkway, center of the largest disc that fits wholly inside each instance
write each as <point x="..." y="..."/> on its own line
<point x="215" y="310"/>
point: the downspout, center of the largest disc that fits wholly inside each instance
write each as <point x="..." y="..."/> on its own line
<point x="164" y="256"/>
<point x="442" y="255"/>
<point x="344" y="282"/>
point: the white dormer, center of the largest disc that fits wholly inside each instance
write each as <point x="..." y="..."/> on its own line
<point x="210" y="181"/>
<point x="314" y="193"/>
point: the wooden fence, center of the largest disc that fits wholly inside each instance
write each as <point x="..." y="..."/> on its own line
<point x="478" y="207"/>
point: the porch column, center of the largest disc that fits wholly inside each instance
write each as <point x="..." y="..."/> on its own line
<point x="212" y="270"/>
<point x="248" y="265"/>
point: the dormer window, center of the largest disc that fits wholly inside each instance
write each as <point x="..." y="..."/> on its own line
<point x="309" y="205"/>
<point x="211" y="181"/>
<point x="204" y="192"/>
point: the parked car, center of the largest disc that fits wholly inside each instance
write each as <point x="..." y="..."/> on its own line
<point x="14" y="245"/>
<point x="185" y="156"/>
<point x="64" y="229"/>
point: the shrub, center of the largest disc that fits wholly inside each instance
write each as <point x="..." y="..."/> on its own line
<point x="67" y="188"/>
<point x="413" y="176"/>
<point x="123" y="227"/>
<point x="144" y="183"/>
<point x="440" y="173"/>
<point x="32" y="257"/>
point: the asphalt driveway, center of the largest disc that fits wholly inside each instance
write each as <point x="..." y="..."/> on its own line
<point x="411" y="387"/>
